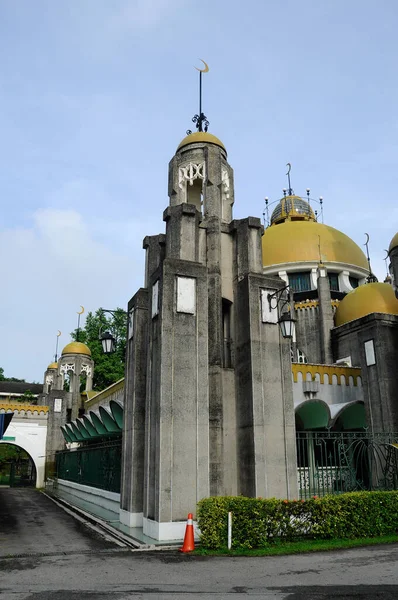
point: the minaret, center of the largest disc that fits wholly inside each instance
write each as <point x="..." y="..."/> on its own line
<point x="393" y="255"/>
<point x="208" y="373"/>
<point x="76" y="363"/>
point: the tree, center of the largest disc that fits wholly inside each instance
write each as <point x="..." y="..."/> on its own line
<point x="108" y="368"/>
<point x="28" y="398"/>
<point x="3" y="378"/>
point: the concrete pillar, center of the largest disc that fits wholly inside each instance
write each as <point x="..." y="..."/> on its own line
<point x="58" y="402"/>
<point x="325" y="321"/>
<point x="133" y="473"/>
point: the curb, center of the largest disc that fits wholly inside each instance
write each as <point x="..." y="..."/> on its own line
<point x="126" y="540"/>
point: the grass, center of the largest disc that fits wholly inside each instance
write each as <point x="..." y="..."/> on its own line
<point x="299" y="547"/>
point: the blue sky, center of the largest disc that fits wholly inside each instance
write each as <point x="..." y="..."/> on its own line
<point x="97" y="94"/>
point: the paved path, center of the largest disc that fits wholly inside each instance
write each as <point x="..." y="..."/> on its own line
<point x="46" y="555"/>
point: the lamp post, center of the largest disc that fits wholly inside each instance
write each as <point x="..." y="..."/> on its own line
<point x="286" y="322"/>
<point x="108" y="340"/>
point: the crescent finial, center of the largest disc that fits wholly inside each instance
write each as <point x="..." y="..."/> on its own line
<point x="387" y="254"/>
<point x="205" y="69"/>
<point x="289" y="168"/>
<point x="59" y="333"/>
<point x="81" y="311"/>
<point x="367" y="239"/>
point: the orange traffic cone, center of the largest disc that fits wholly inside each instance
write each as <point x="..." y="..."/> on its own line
<point x="189" y="541"/>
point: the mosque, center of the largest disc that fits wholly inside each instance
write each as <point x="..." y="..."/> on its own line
<point x="240" y="340"/>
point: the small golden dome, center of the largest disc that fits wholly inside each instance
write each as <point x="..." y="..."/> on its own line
<point x="298" y="241"/>
<point x="292" y="207"/>
<point x="365" y="300"/>
<point x="76" y="348"/>
<point x="201" y="137"/>
<point x="53" y="365"/>
<point x="394" y="243"/>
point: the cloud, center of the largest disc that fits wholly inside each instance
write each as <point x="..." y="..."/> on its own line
<point x="143" y="14"/>
<point x="50" y="268"/>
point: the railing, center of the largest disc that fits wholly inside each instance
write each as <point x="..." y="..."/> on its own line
<point x="96" y="465"/>
<point x="333" y="463"/>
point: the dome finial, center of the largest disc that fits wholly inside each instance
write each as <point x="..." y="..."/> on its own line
<point x="288" y="178"/>
<point x="371" y="278"/>
<point x="200" y="120"/>
<point x="56" y="346"/>
<point x="79" y="312"/>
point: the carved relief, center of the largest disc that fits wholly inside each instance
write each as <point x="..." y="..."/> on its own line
<point x="225" y="185"/>
<point x="188" y="173"/>
<point x="49" y="379"/>
<point x="66" y="368"/>
<point x="86" y="369"/>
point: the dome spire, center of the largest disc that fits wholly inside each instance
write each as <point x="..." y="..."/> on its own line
<point x="200" y="120"/>
<point x="371" y="278"/>
<point x="289" y="168"/>
<point x="56" y="346"/>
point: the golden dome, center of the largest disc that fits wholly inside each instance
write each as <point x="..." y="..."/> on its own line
<point x="76" y="348"/>
<point x="201" y="137"/>
<point x="298" y="241"/>
<point x="367" y="299"/>
<point x="394" y="243"/>
<point x="53" y="365"/>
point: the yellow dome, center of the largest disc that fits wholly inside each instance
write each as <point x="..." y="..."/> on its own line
<point x="298" y="241"/>
<point x="201" y="137"/>
<point x="394" y="243"/>
<point x="367" y="299"/>
<point x="76" y="348"/>
<point x="53" y="365"/>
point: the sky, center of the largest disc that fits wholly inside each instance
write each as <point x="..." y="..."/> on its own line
<point x="95" y="96"/>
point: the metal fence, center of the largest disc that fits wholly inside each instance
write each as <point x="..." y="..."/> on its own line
<point x="96" y="465"/>
<point x="337" y="462"/>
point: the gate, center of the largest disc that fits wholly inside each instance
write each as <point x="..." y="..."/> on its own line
<point x="96" y="465"/>
<point x="337" y="462"/>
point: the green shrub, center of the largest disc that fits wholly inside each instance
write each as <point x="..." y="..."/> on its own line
<point x="257" y="522"/>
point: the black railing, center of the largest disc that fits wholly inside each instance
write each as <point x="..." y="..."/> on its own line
<point x="337" y="462"/>
<point x="96" y="465"/>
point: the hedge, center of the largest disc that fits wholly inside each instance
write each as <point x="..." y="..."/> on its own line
<point x="258" y="522"/>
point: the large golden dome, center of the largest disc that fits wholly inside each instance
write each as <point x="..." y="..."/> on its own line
<point x="76" y="348"/>
<point x="394" y="243"/>
<point x="367" y="299"/>
<point x="298" y="241"/>
<point x="201" y="137"/>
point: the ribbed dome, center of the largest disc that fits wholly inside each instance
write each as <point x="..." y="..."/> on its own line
<point x="365" y="300"/>
<point x="53" y="365"/>
<point x="298" y="241"/>
<point x="76" y="348"/>
<point x="394" y="242"/>
<point x="292" y="207"/>
<point x="201" y="137"/>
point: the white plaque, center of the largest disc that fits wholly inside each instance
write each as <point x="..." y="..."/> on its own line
<point x="131" y="323"/>
<point x="155" y="299"/>
<point x="186" y="295"/>
<point x="370" y="353"/>
<point x="57" y="404"/>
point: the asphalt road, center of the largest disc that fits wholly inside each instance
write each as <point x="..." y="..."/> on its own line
<point x="45" y="554"/>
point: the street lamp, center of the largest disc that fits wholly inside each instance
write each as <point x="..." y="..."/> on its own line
<point x="286" y="322"/>
<point x="108" y="341"/>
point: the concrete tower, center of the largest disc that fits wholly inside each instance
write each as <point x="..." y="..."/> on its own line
<point x="208" y="401"/>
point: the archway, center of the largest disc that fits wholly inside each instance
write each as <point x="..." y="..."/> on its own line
<point x="17" y="467"/>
